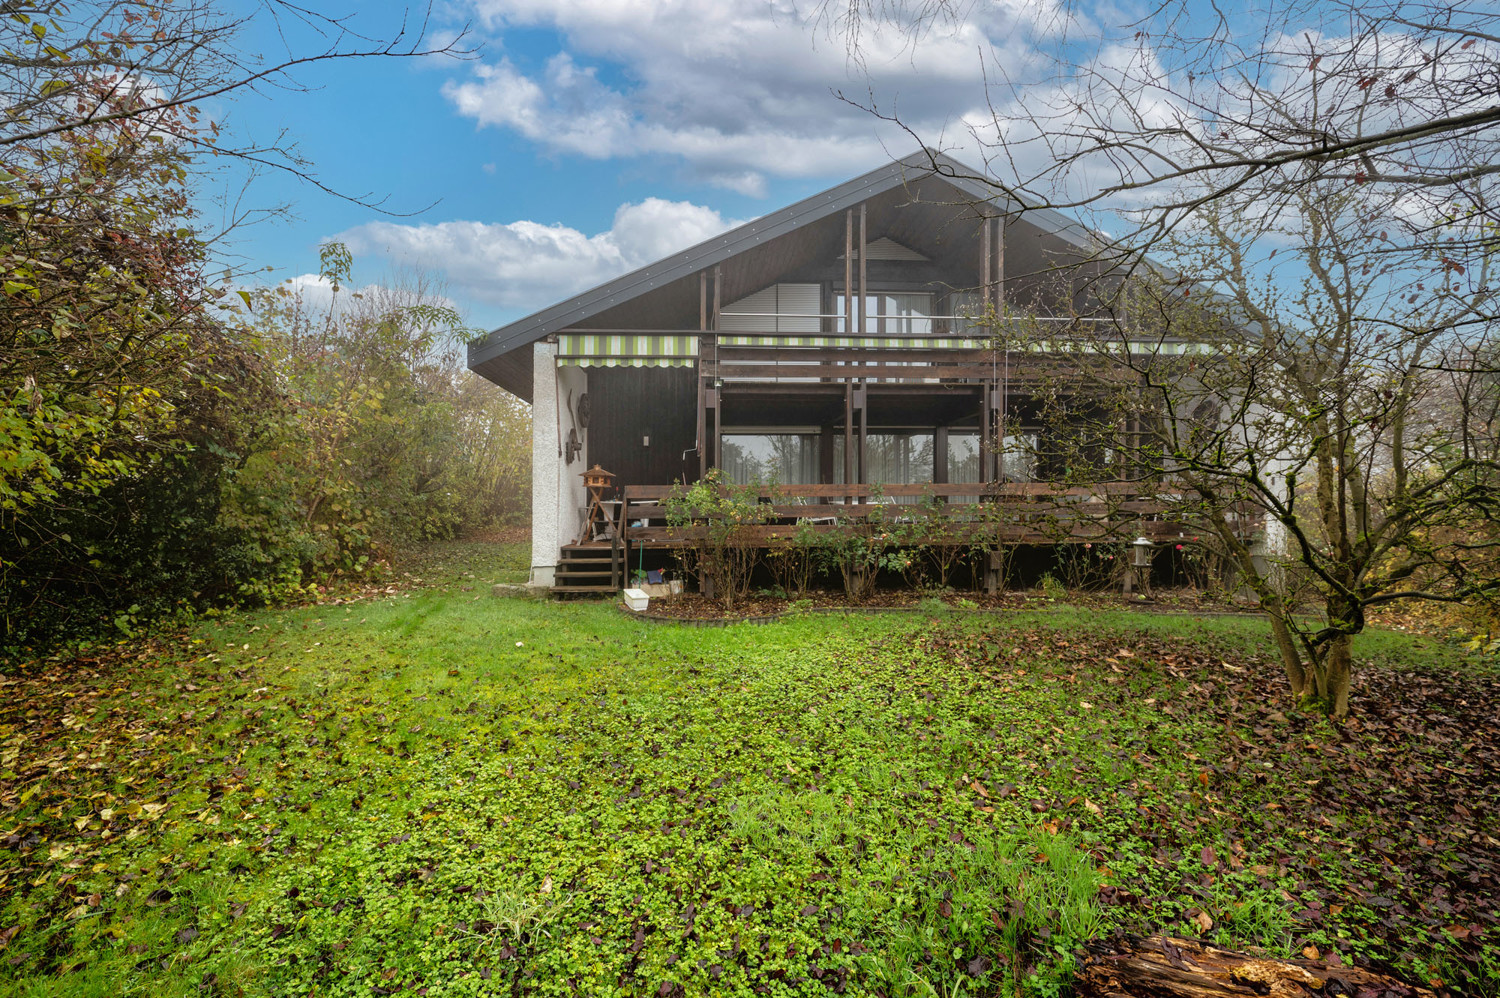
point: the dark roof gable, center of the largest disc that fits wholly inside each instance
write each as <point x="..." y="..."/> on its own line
<point x="489" y="356"/>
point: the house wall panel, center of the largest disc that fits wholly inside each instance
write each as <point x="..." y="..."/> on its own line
<point x="630" y="403"/>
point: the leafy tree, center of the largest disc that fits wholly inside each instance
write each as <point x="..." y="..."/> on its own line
<point x="126" y="402"/>
<point x="380" y="437"/>
<point x="101" y="256"/>
<point x="116" y="377"/>
<point x="101" y="311"/>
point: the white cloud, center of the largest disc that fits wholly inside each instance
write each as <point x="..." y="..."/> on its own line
<point x="315" y="295"/>
<point x="528" y="265"/>
<point x="737" y="89"/>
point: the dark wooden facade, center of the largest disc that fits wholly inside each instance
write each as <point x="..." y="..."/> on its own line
<point x="632" y="405"/>
<point x="844" y="374"/>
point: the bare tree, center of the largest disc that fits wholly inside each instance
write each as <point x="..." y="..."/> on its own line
<point x="1319" y="179"/>
<point x="1340" y="399"/>
<point x="1153" y="119"/>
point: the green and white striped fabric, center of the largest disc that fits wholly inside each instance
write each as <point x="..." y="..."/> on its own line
<point x="599" y="350"/>
<point x="905" y="342"/>
<point x="668" y="350"/>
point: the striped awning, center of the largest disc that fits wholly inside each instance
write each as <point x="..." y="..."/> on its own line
<point x="681" y="350"/>
<point x="605" y="350"/>
<point x="823" y="340"/>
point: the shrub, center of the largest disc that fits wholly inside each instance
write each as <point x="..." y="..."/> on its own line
<point x="719" y="517"/>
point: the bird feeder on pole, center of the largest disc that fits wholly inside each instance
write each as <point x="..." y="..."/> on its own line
<point x="1139" y="572"/>
<point x="598" y="482"/>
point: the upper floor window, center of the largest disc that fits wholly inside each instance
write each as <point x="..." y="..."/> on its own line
<point x="781" y="308"/>
<point x="892" y="313"/>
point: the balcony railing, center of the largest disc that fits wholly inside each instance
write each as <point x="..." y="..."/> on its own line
<point x="882" y="354"/>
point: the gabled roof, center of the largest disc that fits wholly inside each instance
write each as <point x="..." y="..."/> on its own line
<point x="488" y="355"/>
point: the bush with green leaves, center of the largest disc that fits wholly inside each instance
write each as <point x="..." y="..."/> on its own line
<point x="862" y="545"/>
<point x="792" y="558"/>
<point x="718" y="518"/>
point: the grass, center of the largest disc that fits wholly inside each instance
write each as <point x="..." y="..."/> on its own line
<point x="451" y="565"/>
<point x="445" y="793"/>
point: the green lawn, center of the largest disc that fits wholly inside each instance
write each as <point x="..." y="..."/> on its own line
<point x="445" y="793"/>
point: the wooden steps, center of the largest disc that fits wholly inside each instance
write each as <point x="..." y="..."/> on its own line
<point x="588" y="570"/>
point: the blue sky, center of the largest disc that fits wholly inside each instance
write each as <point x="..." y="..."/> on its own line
<point x="584" y="138"/>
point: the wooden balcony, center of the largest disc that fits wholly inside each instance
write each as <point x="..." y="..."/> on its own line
<point x="727" y="357"/>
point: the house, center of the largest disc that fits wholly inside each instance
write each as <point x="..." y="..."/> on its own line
<point x="836" y="346"/>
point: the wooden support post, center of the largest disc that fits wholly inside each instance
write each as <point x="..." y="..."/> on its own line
<point x="716" y="433"/>
<point x="718" y="294"/>
<point x="861" y="402"/>
<point x="986" y="263"/>
<point x="849" y="271"/>
<point x="1002" y="403"/>
<point x="940" y="456"/>
<point x="987" y="443"/>
<point x="994" y="566"/>
<point x="703" y="372"/>
<point x="864" y="272"/>
<point x="848" y="436"/>
<point x="994" y="418"/>
<point x="702" y="427"/>
<point x="999" y="266"/>
<point x="714" y="396"/>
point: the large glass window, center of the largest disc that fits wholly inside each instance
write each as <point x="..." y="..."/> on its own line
<point x="892" y="314"/>
<point x="1018" y="456"/>
<point x="890" y="458"/>
<point x="963" y="457"/>
<point x="772" y="456"/>
<point x="898" y="458"/>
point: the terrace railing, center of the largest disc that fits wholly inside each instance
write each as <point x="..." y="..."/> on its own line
<point x="1009" y="513"/>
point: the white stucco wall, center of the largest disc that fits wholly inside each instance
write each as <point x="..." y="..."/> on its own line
<point x="557" y="492"/>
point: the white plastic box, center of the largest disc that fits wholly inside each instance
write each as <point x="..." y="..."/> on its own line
<point x="636" y="600"/>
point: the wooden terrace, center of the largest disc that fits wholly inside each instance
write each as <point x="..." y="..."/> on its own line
<point x="957" y="515"/>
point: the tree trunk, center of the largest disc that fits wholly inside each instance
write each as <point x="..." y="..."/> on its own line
<point x="1291" y="657"/>
<point x="1162" y="967"/>
<point x="1337" y="672"/>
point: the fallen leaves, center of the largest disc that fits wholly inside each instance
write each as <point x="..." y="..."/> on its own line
<point x="1371" y="823"/>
